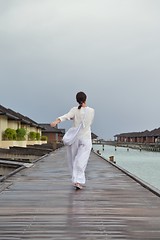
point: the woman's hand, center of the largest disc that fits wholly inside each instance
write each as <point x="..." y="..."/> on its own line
<point x="53" y="124"/>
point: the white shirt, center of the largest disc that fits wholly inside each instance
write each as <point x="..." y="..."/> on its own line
<point x="78" y="115"/>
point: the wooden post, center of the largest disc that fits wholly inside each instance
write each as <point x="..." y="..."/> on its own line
<point x="111" y="158"/>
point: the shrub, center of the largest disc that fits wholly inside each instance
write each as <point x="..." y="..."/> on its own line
<point x="44" y="138"/>
<point x="10" y="134"/>
<point x="21" y="132"/>
<point x="32" y="136"/>
<point x="38" y="136"/>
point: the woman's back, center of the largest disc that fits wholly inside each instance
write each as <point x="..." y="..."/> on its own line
<point x="85" y="115"/>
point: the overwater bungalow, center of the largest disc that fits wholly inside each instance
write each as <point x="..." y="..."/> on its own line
<point x="139" y="137"/>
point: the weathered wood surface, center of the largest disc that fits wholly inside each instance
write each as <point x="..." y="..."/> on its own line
<point x="40" y="203"/>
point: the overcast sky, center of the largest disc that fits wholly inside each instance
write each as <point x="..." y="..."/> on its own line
<point x="110" y="49"/>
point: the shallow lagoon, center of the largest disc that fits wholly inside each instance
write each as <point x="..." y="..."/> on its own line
<point x="143" y="164"/>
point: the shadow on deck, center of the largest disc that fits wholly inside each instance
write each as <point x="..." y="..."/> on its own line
<point x="40" y="203"/>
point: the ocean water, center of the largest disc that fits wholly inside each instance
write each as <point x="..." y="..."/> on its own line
<point x="143" y="164"/>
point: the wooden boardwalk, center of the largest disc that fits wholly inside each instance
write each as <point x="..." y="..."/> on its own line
<point x="40" y="203"/>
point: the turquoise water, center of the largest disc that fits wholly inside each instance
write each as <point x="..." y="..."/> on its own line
<point x="143" y="164"/>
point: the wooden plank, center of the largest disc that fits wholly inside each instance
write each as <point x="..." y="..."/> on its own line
<point x="40" y="203"/>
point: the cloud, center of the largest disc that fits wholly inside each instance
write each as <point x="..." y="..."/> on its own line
<point x="110" y="49"/>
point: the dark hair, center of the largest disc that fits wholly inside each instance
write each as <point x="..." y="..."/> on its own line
<point x="81" y="98"/>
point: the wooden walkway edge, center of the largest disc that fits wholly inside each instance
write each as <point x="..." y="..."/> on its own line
<point x="39" y="203"/>
<point x="146" y="185"/>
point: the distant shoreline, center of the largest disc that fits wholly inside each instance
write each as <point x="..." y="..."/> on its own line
<point x="154" y="147"/>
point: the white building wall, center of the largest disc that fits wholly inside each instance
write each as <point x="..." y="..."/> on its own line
<point x="13" y="124"/>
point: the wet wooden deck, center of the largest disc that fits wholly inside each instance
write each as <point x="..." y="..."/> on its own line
<point x="40" y="203"/>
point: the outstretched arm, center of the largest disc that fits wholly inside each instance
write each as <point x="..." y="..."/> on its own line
<point x="67" y="116"/>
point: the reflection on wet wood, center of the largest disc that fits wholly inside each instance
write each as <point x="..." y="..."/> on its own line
<point x="40" y="203"/>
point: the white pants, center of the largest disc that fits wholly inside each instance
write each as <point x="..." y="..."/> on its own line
<point x="78" y="154"/>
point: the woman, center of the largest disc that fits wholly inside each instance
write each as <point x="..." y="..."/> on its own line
<point x="79" y="152"/>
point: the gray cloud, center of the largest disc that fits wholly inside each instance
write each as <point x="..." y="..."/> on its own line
<point x="110" y="49"/>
